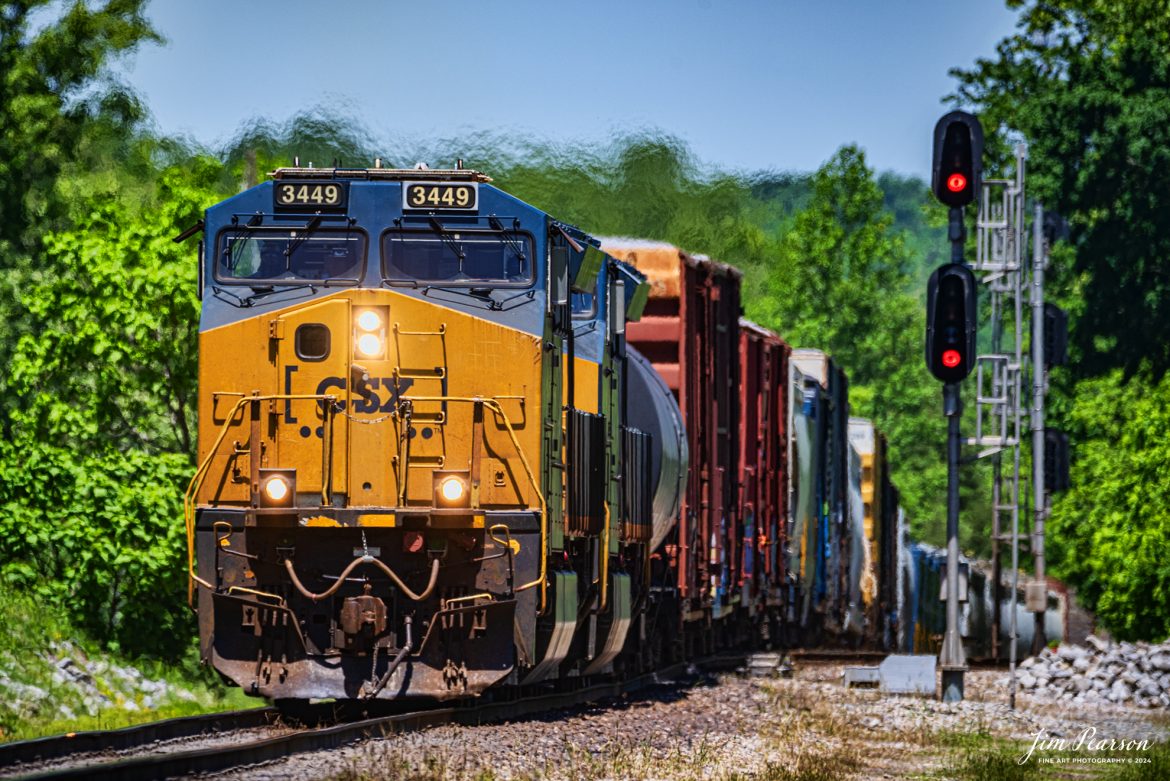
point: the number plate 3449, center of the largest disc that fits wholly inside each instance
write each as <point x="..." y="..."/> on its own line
<point x="309" y="195"/>
<point x="440" y="196"/>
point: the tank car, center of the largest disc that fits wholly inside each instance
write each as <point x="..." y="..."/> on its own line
<point x="418" y="475"/>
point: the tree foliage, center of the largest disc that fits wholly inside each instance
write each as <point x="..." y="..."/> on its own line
<point x="1110" y="535"/>
<point x="112" y="359"/>
<point x="60" y="107"/>
<point x="843" y="280"/>
<point x="99" y="536"/>
<point x="1087" y="85"/>
<point x="91" y="480"/>
<point x="57" y="99"/>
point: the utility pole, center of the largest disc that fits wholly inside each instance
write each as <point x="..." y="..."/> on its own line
<point x="1037" y="597"/>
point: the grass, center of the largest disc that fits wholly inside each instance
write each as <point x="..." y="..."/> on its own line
<point x="994" y="759"/>
<point x="28" y="633"/>
<point x="1157" y="769"/>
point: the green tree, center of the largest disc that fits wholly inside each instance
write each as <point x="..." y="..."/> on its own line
<point x="1110" y="535"/>
<point x="836" y="269"/>
<point x="100" y="537"/>
<point x="841" y="282"/>
<point x="55" y="90"/>
<point x="1087" y="85"/>
<point x="59" y="106"/>
<point x="91" y="480"/>
<point x="111" y="360"/>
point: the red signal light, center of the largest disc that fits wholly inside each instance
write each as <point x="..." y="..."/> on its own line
<point x="956" y="183"/>
<point x="951" y="358"/>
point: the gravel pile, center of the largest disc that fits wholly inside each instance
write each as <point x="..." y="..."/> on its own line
<point x="1100" y="673"/>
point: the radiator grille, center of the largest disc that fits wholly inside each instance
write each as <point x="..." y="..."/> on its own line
<point x="586" y="470"/>
<point x="636" y="485"/>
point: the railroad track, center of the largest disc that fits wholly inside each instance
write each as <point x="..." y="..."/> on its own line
<point x="88" y="753"/>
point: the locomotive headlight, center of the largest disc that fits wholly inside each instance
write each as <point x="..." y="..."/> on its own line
<point x="369" y="333"/>
<point x="369" y="320"/>
<point x="452" y="489"/>
<point x="278" y="488"/>
<point x="369" y="345"/>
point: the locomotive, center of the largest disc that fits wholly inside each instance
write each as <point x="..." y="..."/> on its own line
<point x="448" y="442"/>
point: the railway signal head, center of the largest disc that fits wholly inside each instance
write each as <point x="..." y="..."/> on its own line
<point x="950" y="322"/>
<point x="1055" y="335"/>
<point x="1056" y="460"/>
<point x="957" y="173"/>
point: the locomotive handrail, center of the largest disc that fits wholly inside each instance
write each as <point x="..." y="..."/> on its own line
<point x="447" y="603"/>
<point x="201" y="473"/>
<point x="492" y="403"/>
<point x="604" y="578"/>
<point x="489" y="402"/>
<point x="244" y="590"/>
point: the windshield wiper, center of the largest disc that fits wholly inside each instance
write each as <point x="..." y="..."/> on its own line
<point x="590" y="326"/>
<point x="448" y="242"/>
<point x="263" y="292"/>
<point x="484" y="296"/>
<point x="307" y="231"/>
<point x="511" y="243"/>
<point x="258" y="293"/>
<point x="411" y="283"/>
<point x="242" y="235"/>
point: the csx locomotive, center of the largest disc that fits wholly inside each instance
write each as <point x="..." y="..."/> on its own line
<point x="447" y="442"/>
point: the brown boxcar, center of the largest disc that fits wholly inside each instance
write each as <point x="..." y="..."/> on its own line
<point x="763" y="475"/>
<point x="690" y="333"/>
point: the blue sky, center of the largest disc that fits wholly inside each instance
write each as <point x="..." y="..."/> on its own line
<point x="747" y="85"/>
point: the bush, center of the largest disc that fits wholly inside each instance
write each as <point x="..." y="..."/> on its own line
<point x="101" y="537"/>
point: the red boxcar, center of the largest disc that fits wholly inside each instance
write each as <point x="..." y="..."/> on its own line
<point x="690" y="333"/>
<point x="763" y="473"/>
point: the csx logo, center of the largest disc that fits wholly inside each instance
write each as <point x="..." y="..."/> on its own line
<point x="380" y="396"/>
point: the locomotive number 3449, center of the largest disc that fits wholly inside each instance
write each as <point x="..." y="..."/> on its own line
<point x="427" y="195"/>
<point x="302" y="194"/>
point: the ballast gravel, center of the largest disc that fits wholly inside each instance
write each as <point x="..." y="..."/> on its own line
<point x="737" y="726"/>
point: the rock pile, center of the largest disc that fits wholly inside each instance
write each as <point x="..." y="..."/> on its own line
<point x="1101" y="673"/>
<point x="66" y="682"/>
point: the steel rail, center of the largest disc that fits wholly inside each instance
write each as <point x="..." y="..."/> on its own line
<point x="97" y="741"/>
<point x="222" y="758"/>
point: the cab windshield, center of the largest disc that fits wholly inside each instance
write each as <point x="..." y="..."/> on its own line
<point x="452" y="257"/>
<point x="281" y="256"/>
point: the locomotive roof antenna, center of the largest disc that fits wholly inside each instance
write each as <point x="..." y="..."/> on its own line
<point x="296" y="161"/>
<point x="377" y="162"/>
<point x="459" y="164"/>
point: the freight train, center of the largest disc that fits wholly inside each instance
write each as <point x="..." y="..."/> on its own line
<point x="448" y="443"/>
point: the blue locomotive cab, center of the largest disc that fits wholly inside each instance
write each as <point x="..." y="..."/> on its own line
<point x="407" y="355"/>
